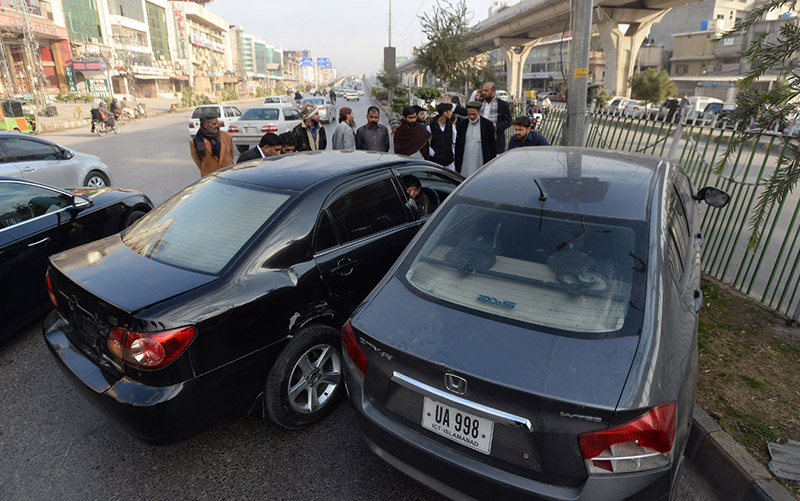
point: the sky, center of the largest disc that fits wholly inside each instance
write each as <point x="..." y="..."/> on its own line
<point x="352" y="33"/>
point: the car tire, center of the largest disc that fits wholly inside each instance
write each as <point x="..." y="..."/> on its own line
<point x="306" y="380"/>
<point x="96" y="179"/>
<point x="134" y="216"/>
<point x="242" y="148"/>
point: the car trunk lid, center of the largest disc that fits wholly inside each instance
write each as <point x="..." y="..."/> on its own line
<point x="562" y="386"/>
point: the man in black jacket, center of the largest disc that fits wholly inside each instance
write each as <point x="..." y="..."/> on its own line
<point x="271" y="144"/>
<point x="498" y="112"/>
<point x="309" y="135"/>
<point x="443" y="137"/>
<point x="475" y="141"/>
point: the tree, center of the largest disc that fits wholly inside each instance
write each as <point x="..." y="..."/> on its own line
<point x="388" y="79"/>
<point x="759" y="109"/>
<point x="427" y="94"/>
<point x="652" y="87"/>
<point x="445" y="55"/>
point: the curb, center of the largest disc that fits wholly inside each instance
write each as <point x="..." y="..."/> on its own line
<point x="730" y="469"/>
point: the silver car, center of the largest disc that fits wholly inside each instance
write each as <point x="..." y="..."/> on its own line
<point x="255" y="122"/>
<point x="40" y="160"/>
<point x="225" y="113"/>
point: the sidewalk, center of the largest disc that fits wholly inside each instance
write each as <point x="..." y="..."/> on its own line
<point x="76" y="115"/>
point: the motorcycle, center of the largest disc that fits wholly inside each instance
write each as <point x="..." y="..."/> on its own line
<point x="139" y="111"/>
<point x="103" y="128"/>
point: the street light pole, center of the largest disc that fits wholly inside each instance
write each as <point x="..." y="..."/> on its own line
<point x="575" y="130"/>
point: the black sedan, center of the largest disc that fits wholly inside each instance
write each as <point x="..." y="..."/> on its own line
<point x="539" y="337"/>
<point x="38" y="220"/>
<point x="229" y="298"/>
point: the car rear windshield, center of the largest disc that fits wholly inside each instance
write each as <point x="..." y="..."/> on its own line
<point x="202" y="110"/>
<point x="204" y="226"/>
<point x="318" y="101"/>
<point x="261" y="114"/>
<point x="567" y="274"/>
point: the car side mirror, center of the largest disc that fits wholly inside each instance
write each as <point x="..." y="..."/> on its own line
<point x="712" y="196"/>
<point x="66" y="154"/>
<point x="79" y="203"/>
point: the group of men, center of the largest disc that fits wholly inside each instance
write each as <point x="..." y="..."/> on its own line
<point x="458" y="138"/>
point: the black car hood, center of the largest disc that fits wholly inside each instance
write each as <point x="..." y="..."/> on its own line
<point x="585" y="371"/>
<point x="113" y="272"/>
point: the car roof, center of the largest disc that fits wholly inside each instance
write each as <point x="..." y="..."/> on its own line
<point x="612" y="184"/>
<point x="30" y="137"/>
<point x="300" y="171"/>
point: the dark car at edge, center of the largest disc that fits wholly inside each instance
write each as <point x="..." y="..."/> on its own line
<point x="538" y="339"/>
<point x="228" y="298"/>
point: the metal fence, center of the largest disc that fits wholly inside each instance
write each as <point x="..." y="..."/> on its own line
<point x="769" y="274"/>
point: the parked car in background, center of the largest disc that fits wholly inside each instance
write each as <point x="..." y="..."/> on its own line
<point x="617" y="105"/>
<point x="511" y="351"/>
<point x="327" y="110"/>
<point x="503" y="94"/>
<point x="255" y="122"/>
<point x="277" y="100"/>
<point x="229" y="297"/>
<point x="792" y="127"/>
<point x="36" y="221"/>
<point x="43" y="161"/>
<point x="225" y="113"/>
<point x="697" y="104"/>
<point x="639" y="109"/>
<point x="717" y="110"/>
<point x="351" y="95"/>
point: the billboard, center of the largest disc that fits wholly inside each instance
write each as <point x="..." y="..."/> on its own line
<point x="323" y="62"/>
<point x="306" y="62"/>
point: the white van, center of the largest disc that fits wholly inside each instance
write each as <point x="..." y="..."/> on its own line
<point x="698" y="104"/>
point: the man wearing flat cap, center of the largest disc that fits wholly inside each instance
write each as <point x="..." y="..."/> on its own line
<point x="443" y="137"/>
<point x="309" y="134"/>
<point x="344" y="137"/>
<point x="475" y="141"/>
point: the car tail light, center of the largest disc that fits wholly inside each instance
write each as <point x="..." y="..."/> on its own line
<point x="221" y="123"/>
<point x="352" y="348"/>
<point x="233" y="128"/>
<point x="149" y="350"/>
<point x="323" y="107"/>
<point x="191" y="125"/>
<point x="269" y="128"/>
<point x="50" y="291"/>
<point x="642" y="444"/>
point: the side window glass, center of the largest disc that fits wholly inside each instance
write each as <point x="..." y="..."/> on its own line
<point x="7" y="111"/>
<point x="677" y="237"/>
<point x="21" y="202"/>
<point x="229" y="111"/>
<point x="326" y="237"/>
<point x="434" y="185"/>
<point x="367" y="210"/>
<point x="24" y="150"/>
<point x="237" y="112"/>
<point x="291" y="114"/>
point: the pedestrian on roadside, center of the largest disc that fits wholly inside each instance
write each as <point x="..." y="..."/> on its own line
<point x="344" y="137"/>
<point x="288" y="143"/>
<point x="211" y="148"/>
<point x="308" y="134"/>
<point x="332" y="95"/>
<point x="443" y="137"/>
<point x="524" y="136"/>
<point x="373" y="136"/>
<point x="297" y="95"/>
<point x="532" y="108"/>
<point x="410" y="138"/>
<point x="498" y="112"/>
<point x="270" y="145"/>
<point x="684" y="107"/>
<point x="475" y="141"/>
<point x="546" y="105"/>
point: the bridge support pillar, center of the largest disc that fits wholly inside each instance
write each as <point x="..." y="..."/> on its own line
<point x="516" y="53"/>
<point x="621" y="43"/>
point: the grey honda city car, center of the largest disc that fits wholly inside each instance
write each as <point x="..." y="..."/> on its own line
<point x="538" y="338"/>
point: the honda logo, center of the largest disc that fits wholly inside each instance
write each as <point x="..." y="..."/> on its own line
<point x="456" y="384"/>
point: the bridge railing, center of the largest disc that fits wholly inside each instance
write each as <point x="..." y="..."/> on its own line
<point x="769" y="273"/>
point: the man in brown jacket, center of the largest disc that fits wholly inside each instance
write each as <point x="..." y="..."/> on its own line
<point x="211" y="148"/>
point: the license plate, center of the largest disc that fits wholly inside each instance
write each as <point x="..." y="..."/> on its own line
<point x="85" y="326"/>
<point x="247" y="130"/>
<point x="467" y="429"/>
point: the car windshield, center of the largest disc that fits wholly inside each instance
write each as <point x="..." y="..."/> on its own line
<point x="204" y="226"/>
<point x="202" y="110"/>
<point x="562" y="273"/>
<point x="318" y="101"/>
<point x="260" y="114"/>
<point x="272" y="99"/>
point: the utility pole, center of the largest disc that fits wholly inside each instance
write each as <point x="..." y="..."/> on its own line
<point x="390" y="23"/>
<point x="575" y="128"/>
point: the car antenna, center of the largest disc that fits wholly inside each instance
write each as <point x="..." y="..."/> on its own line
<point x="542" y="194"/>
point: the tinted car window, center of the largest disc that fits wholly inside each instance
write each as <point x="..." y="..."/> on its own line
<point x="291" y="114"/>
<point x="202" y="110"/>
<point x="561" y="273"/>
<point x="204" y="226"/>
<point x="260" y="114"/>
<point x="26" y="150"/>
<point x="20" y="202"/>
<point x="367" y="210"/>
<point x="326" y="237"/>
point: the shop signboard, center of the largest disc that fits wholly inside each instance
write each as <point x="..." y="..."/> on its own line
<point x="71" y="84"/>
<point x="89" y="66"/>
<point x="180" y="30"/>
<point x="97" y="86"/>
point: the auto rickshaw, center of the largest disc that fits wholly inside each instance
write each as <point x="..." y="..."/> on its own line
<point x="17" y="116"/>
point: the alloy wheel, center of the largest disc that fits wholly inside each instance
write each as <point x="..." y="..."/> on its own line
<point x="314" y="378"/>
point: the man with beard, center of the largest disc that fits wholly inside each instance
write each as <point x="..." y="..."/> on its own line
<point x="373" y="136"/>
<point x="308" y="134"/>
<point x="411" y="138"/>
<point x="475" y="141"/>
<point x="344" y="137"/>
<point x="498" y="112"/>
<point x="443" y="137"/>
<point x="211" y="148"/>
<point x="270" y="145"/>
<point x="524" y="136"/>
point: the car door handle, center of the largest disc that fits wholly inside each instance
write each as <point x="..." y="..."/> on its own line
<point x="344" y="267"/>
<point x="28" y="168"/>
<point x="41" y="243"/>
<point x="698" y="299"/>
